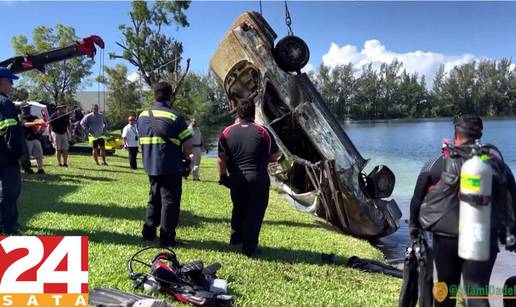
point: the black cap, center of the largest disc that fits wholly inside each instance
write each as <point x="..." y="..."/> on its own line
<point x="162" y="91"/>
<point x="469" y="124"/>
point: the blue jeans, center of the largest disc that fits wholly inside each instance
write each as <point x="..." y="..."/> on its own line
<point x="10" y="188"/>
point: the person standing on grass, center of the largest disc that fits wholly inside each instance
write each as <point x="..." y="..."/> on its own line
<point x="244" y="151"/>
<point x="60" y="134"/>
<point x="12" y="148"/>
<point x="95" y="125"/>
<point x="130" y="137"/>
<point x="32" y="136"/>
<point x="165" y="140"/>
<point x="197" y="148"/>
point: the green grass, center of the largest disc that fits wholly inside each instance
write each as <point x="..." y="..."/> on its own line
<point x="107" y="204"/>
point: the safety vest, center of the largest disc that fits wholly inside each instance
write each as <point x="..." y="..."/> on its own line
<point x="162" y="157"/>
<point x="12" y="141"/>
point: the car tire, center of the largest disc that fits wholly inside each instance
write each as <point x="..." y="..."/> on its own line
<point x="291" y="53"/>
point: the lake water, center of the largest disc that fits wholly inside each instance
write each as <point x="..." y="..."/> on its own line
<point x="405" y="146"/>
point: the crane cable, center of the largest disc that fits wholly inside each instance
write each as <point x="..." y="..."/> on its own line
<point x="103" y="75"/>
<point x="288" y="20"/>
<point x="101" y="80"/>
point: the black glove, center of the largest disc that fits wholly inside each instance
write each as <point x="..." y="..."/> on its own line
<point x="186" y="167"/>
<point x="224" y="180"/>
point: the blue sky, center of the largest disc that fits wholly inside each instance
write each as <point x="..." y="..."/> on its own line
<point x="421" y="34"/>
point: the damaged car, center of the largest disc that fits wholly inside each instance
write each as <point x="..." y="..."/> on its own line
<point x="320" y="168"/>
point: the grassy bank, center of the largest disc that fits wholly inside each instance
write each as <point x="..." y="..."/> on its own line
<point x="107" y="204"/>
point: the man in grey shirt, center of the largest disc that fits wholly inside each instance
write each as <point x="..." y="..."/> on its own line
<point x="197" y="148"/>
<point x="95" y="124"/>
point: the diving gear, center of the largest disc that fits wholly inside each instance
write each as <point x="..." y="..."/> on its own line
<point x="475" y="208"/>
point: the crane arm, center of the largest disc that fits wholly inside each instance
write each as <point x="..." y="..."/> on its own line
<point x="86" y="47"/>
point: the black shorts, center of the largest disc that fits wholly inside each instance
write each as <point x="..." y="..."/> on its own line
<point x="100" y="142"/>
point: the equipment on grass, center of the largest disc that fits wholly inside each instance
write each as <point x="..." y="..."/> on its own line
<point x="189" y="283"/>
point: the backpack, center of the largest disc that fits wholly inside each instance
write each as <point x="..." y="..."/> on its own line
<point x="439" y="212"/>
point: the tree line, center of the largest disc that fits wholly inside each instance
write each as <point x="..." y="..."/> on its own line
<point x="487" y="88"/>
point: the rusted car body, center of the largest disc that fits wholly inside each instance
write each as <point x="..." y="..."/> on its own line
<point x="320" y="167"/>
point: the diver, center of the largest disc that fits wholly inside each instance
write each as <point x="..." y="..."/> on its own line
<point x="435" y="207"/>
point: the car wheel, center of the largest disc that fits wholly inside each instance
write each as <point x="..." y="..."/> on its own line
<point x="291" y="53"/>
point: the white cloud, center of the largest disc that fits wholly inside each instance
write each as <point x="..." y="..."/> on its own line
<point x="134" y="76"/>
<point x="373" y="51"/>
<point x="308" y="68"/>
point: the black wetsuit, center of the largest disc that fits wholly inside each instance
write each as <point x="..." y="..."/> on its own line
<point x="247" y="148"/>
<point x="449" y="265"/>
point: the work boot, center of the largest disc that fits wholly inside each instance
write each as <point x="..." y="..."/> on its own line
<point x="168" y="238"/>
<point x="148" y="233"/>
<point x="41" y="171"/>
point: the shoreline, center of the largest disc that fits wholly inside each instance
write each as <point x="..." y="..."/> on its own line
<point x="417" y="120"/>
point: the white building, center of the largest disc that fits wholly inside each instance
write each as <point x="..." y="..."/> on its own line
<point x="88" y="98"/>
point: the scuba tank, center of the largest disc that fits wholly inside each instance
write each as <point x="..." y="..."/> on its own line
<point x="475" y="208"/>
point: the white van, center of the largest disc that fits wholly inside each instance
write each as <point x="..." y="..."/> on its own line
<point x="40" y="111"/>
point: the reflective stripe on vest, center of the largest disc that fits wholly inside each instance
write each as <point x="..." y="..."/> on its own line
<point x="147" y="140"/>
<point x="186" y="133"/>
<point x="159" y="113"/>
<point x="6" y="123"/>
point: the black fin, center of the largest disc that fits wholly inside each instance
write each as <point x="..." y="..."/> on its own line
<point x="105" y="297"/>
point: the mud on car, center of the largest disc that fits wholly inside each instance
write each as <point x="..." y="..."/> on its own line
<point x="320" y="167"/>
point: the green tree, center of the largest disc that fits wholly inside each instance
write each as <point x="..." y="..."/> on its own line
<point x="413" y="95"/>
<point x="123" y="98"/>
<point x="365" y="105"/>
<point x="389" y="89"/>
<point x="462" y="89"/>
<point x="336" y="86"/>
<point x="440" y="103"/>
<point x="146" y="46"/>
<point x="61" y="80"/>
<point x="19" y="94"/>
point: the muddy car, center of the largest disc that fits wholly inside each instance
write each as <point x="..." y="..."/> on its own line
<point x="320" y="168"/>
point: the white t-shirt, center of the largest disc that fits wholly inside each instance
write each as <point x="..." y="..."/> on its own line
<point x="131" y="133"/>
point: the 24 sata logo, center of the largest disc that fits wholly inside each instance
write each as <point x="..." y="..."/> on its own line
<point x="44" y="271"/>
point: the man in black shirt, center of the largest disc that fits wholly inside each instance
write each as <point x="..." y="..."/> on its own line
<point x="32" y="131"/>
<point x="244" y="151"/>
<point x="59" y="134"/>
